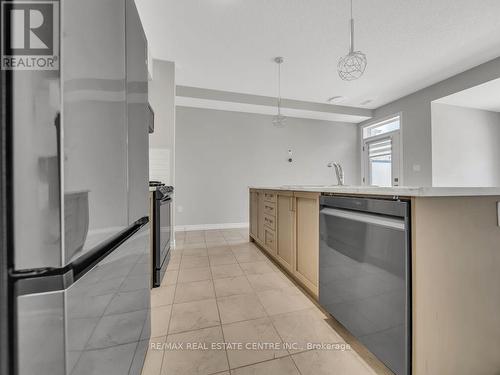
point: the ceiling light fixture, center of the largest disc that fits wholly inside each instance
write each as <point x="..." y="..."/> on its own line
<point x="336" y="99"/>
<point x="279" y="120"/>
<point x="353" y="65"/>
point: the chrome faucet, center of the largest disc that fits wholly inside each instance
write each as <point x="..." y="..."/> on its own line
<point x="338" y="171"/>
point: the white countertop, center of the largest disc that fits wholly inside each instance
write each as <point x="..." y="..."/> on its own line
<point x="401" y="191"/>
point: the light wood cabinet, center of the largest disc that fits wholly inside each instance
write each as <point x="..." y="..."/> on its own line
<point x="286" y="229"/>
<point x="254" y="213"/>
<point x="270" y="241"/>
<point x="270" y="222"/>
<point x="306" y="263"/>
<point x="269" y="196"/>
<point x="286" y="225"/>
<point x="269" y="208"/>
<point x="263" y="219"/>
<point x="260" y="218"/>
<point x="455" y="262"/>
<point x="456" y="285"/>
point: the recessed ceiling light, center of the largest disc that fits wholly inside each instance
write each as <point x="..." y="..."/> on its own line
<point x="336" y="99"/>
<point x="366" y="102"/>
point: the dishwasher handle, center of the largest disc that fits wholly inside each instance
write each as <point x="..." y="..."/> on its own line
<point x="379" y="220"/>
<point x="388" y="207"/>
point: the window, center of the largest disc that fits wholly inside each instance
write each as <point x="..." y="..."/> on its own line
<point x="382" y="127"/>
<point x="380" y="162"/>
<point x="381" y="152"/>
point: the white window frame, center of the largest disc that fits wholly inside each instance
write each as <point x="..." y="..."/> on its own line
<point x="363" y="141"/>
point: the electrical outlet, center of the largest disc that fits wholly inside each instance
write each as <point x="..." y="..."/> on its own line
<point x="180" y="209"/>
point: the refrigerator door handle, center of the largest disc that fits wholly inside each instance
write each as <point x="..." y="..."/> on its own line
<point x="54" y="279"/>
<point x="86" y="262"/>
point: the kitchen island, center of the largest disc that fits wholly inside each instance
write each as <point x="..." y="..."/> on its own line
<point x="454" y="247"/>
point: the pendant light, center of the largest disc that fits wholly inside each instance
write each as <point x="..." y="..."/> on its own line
<point x="353" y="65"/>
<point x="279" y="120"/>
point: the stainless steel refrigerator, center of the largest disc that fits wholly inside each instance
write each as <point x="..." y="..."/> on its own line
<point x="75" y="264"/>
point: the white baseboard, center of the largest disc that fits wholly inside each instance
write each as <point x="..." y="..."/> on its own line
<point x="187" y="228"/>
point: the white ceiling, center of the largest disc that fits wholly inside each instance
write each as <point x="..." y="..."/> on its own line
<point x="485" y="96"/>
<point x="230" y="44"/>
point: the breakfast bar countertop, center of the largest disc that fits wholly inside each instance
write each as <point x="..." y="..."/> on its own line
<point x="400" y="191"/>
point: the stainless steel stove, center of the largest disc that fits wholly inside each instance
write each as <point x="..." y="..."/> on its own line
<point x="161" y="217"/>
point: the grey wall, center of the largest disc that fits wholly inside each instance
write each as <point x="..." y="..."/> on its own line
<point x="220" y="153"/>
<point x="416" y="110"/>
<point x="162" y="100"/>
<point x="465" y="146"/>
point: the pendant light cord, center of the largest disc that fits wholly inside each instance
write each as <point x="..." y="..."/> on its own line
<point x="279" y="118"/>
<point x="279" y="88"/>
<point x="351" y="26"/>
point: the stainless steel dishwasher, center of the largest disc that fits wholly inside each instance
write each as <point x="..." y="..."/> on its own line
<point x="365" y="273"/>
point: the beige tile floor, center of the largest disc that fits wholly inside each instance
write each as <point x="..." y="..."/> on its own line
<point x="220" y="288"/>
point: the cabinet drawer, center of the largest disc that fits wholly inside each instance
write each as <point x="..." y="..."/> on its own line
<point x="270" y="208"/>
<point x="269" y="196"/>
<point x="269" y="239"/>
<point x="270" y="221"/>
